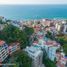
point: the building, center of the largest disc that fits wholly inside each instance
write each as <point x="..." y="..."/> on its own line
<point x="58" y="26"/>
<point x="3" y="51"/>
<point x="51" y="48"/>
<point x="36" y="54"/>
<point x="14" y="47"/>
<point x="46" y="22"/>
<point x="61" y="27"/>
<point x="47" y="45"/>
<point x="65" y="29"/>
<point x="17" y="24"/>
<point x="61" y="59"/>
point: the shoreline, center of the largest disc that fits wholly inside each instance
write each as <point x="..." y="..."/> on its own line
<point x="37" y="19"/>
<point x="55" y="18"/>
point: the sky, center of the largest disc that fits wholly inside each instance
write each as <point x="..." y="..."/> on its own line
<point x="33" y="1"/>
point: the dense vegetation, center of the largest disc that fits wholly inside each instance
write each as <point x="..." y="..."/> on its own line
<point x="63" y="41"/>
<point x="50" y="35"/>
<point x="11" y="34"/>
<point x="47" y="62"/>
<point x="2" y="22"/>
<point x="20" y="59"/>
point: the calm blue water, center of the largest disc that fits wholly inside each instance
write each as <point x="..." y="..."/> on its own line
<point x="33" y="11"/>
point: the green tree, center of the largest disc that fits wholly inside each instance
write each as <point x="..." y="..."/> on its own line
<point x="8" y="33"/>
<point x="11" y="34"/>
<point x="24" y="60"/>
<point x="29" y="31"/>
<point x="65" y="48"/>
<point x="49" y="35"/>
<point x="49" y="63"/>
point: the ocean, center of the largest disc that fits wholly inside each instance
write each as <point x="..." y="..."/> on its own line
<point x="24" y="12"/>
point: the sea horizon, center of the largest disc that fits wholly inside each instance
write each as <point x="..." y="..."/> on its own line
<point x="28" y="12"/>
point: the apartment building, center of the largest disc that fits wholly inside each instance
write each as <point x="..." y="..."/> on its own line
<point x="3" y="51"/>
<point x="14" y="47"/>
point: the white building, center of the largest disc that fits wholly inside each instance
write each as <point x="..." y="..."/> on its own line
<point x="3" y="51"/>
<point x="58" y="26"/>
<point x="65" y="29"/>
<point x="36" y="54"/>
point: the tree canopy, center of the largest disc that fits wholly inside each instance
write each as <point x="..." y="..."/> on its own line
<point x="11" y="34"/>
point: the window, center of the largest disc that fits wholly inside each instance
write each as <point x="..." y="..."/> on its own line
<point x="66" y="29"/>
<point x="39" y="60"/>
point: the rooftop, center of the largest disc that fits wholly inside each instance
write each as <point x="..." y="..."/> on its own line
<point x="15" y="43"/>
<point x="35" y="42"/>
<point x="52" y="43"/>
<point x="33" y="51"/>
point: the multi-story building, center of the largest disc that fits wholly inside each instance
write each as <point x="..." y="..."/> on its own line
<point x="49" y="46"/>
<point x="61" y="27"/>
<point x="3" y="51"/>
<point x="61" y="59"/>
<point x="58" y="26"/>
<point x="36" y="54"/>
<point x="65" y="29"/>
<point x="14" y="47"/>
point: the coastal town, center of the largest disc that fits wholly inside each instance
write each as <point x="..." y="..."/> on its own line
<point x="33" y="43"/>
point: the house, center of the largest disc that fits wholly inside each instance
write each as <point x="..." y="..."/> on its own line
<point x="3" y="50"/>
<point x="14" y="47"/>
<point x="36" y="54"/>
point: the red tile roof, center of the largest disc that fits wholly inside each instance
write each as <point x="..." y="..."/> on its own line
<point x="40" y="36"/>
<point x="35" y="42"/>
<point x="1" y="42"/>
<point x="52" y="43"/>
